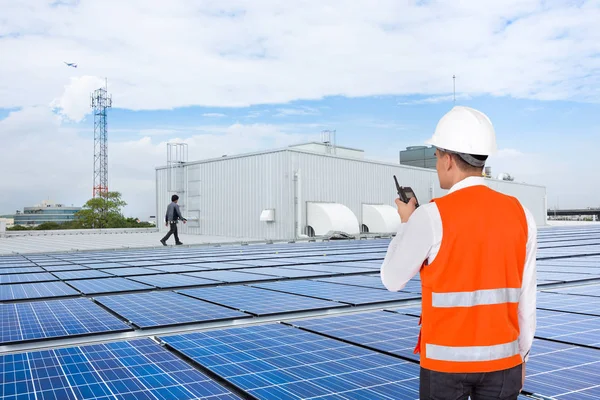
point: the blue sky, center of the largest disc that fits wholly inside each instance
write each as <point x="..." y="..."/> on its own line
<point x="229" y="77"/>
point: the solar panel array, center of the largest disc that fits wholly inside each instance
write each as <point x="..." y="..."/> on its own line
<point x="292" y="320"/>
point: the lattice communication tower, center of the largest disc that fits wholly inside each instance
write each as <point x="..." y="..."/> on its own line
<point x="100" y="102"/>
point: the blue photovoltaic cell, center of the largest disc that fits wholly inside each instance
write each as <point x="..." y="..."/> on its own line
<point x="172" y="280"/>
<point x="261" y="263"/>
<point x="230" y="276"/>
<point x="56" y="318"/>
<point x="165" y="308"/>
<point x="141" y="263"/>
<point x="212" y="265"/>
<point x="568" y="303"/>
<point x="83" y="274"/>
<point x="130" y="271"/>
<point x="35" y="290"/>
<point x="568" y="327"/>
<point x="330" y="269"/>
<point x="107" y="285"/>
<point x="380" y="330"/>
<point x="138" y="369"/>
<point x="277" y="272"/>
<point x="177" y="268"/>
<point x="330" y="291"/>
<point x="73" y="267"/>
<point x="281" y="362"/>
<point x="105" y="265"/>
<point x="20" y="270"/>
<point x="562" y="371"/>
<point x="24" y="278"/>
<point x="259" y="301"/>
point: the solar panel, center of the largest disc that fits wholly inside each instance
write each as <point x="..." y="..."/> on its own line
<point x="23" y="278"/>
<point x="568" y="303"/>
<point x="275" y="272"/>
<point x="330" y="269"/>
<point x="276" y="362"/>
<point x="261" y="263"/>
<point x="141" y="263"/>
<point x="107" y="285"/>
<point x="212" y="265"/>
<point x="259" y="301"/>
<point x="82" y="274"/>
<point x="177" y="268"/>
<point x="568" y="327"/>
<point x="380" y="330"/>
<point x="172" y="280"/>
<point x="70" y="267"/>
<point x="20" y="270"/>
<point x="133" y="271"/>
<point x="330" y="291"/>
<point x="165" y="308"/>
<point x="56" y="318"/>
<point x="230" y="276"/>
<point x="104" y="265"/>
<point x="35" y="290"/>
<point x="562" y="371"/>
<point x="138" y="369"/>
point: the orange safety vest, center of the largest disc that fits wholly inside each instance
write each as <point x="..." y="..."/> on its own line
<point x="469" y="319"/>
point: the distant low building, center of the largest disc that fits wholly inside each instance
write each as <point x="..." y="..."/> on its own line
<point x="45" y="212"/>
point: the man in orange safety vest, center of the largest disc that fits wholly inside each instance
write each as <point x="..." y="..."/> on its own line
<point x="475" y="249"/>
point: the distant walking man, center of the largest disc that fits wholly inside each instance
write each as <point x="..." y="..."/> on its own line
<point x="475" y="249"/>
<point x="173" y="215"/>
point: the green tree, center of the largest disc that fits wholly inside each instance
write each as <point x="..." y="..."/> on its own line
<point x="102" y="212"/>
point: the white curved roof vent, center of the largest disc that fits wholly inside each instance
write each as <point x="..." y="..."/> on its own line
<point x="331" y="217"/>
<point x="380" y="218"/>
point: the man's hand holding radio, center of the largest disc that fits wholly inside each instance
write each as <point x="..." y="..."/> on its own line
<point x="406" y="209"/>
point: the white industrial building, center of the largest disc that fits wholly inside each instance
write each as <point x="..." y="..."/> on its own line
<point x="304" y="190"/>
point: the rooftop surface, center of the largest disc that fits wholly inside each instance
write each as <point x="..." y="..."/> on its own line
<point x="67" y="240"/>
<point x="301" y="320"/>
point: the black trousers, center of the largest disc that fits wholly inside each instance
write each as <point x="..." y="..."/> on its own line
<point x="172" y="231"/>
<point x="498" y="385"/>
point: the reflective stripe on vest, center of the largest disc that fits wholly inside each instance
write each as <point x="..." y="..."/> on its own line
<point x="476" y="298"/>
<point x="472" y="353"/>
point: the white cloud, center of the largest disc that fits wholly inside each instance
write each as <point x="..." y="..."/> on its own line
<point x="161" y="55"/>
<point x="285" y="112"/>
<point x="437" y="99"/>
<point x="71" y="105"/>
<point x="213" y="115"/>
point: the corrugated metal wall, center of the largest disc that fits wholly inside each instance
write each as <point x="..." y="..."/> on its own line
<point x="227" y="195"/>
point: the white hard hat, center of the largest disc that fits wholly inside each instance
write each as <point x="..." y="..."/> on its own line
<point x="465" y="130"/>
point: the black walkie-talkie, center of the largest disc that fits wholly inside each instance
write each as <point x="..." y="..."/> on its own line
<point x="405" y="193"/>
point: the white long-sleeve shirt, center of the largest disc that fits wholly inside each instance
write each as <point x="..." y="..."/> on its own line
<point x="420" y="238"/>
